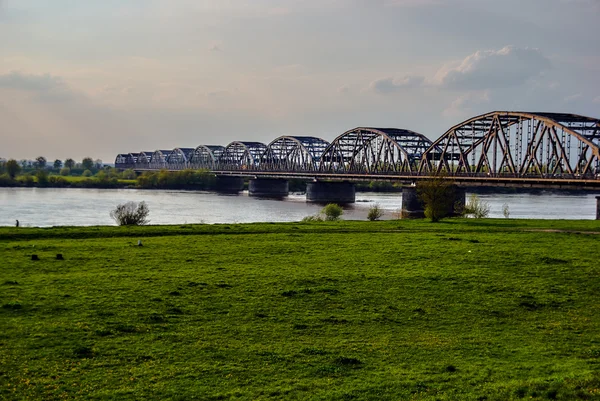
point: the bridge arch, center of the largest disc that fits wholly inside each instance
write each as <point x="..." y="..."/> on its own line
<point x="242" y="156"/>
<point x="126" y="160"/>
<point x="179" y="158"/>
<point x="143" y="160"/>
<point x="206" y="156"/>
<point x="375" y="150"/>
<point x="294" y="153"/>
<point x="159" y="158"/>
<point x="518" y="144"/>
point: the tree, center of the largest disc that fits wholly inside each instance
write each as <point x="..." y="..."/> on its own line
<point x="41" y="162"/>
<point x="65" y="171"/>
<point x="12" y="168"/>
<point x="437" y="196"/>
<point x="87" y="163"/>
<point x="131" y="214"/>
<point x="69" y="163"/>
<point x="98" y="164"/>
<point x="57" y="164"/>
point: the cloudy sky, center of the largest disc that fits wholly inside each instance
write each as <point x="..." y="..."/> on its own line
<point x="96" y="78"/>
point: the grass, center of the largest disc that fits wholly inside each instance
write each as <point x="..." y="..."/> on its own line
<point x="463" y="309"/>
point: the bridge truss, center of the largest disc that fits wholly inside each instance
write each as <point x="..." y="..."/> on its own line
<point x="375" y="150"/>
<point x="501" y="145"/>
<point x="517" y="144"/>
<point x="294" y="153"/>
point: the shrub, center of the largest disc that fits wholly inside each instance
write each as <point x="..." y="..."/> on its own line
<point x="332" y="212"/>
<point x="505" y="211"/>
<point x="128" y="174"/>
<point x="437" y="196"/>
<point x="476" y="207"/>
<point x="87" y="173"/>
<point x="26" y="180"/>
<point x="57" y="181"/>
<point x="131" y="214"/>
<point x="6" y="181"/>
<point x="309" y="219"/>
<point x="65" y="171"/>
<point x="375" y="213"/>
<point x="42" y="178"/>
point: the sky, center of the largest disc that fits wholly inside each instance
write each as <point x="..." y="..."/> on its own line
<point x="96" y="78"/>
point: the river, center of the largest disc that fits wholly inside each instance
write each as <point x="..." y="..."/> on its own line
<point x="45" y="207"/>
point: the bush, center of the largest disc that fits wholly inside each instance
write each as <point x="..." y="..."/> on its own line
<point x="65" y="171"/>
<point x="6" y="181"/>
<point x="129" y="174"/>
<point x="476" y="208"/>
<point x="26" y="180"/>
<point x="87" y="173"/>
<point x="332" y="212"/>
<point x="57" y="181"/>
<point x="505" y="211"/>
<point x="311" y="219"/>
<point x="375" y="213"/>
<point x="131" y="214"/>
<point x="437" y="196"/>
<point x="42" y="178"/>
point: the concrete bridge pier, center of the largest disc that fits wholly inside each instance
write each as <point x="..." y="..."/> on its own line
<point x="330" y="192"/>
<point x="413" y="208"/>
<point x="268" y="188"/>
<point x="597" y="207"/>
<point x="228" y="184"/>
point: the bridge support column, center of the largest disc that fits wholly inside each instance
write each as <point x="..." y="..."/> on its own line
<point x="269" y="188"/>
<point x="330" y="192"/>
<point x="413" y="208"/>
<point x="597" y="207"/>
<point x="228" y="184"/>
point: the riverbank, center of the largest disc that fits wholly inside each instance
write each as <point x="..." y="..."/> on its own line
<point x="463" y="309"/>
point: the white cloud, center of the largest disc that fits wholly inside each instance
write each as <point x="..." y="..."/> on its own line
<point x="467" y="104"/>
<point x="508" y="67"/>
<point x="391" y="85"/>
<point x="572" y="98"/>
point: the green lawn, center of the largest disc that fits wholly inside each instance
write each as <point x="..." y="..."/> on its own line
<point x="463" y="309"/>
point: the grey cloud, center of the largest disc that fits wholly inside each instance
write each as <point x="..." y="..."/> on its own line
<point x="508" y="67"/>
<point x="47" y="87"/>
<point x="391" y="85"/>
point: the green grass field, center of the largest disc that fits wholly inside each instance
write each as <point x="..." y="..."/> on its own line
<point x="463" y="309"/>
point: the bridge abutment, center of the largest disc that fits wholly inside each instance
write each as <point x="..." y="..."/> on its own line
<point x="330" y="192"/>
<point x="413" y="208"/>
<point x="269" y="188"/>
<point x="229" y="184"/>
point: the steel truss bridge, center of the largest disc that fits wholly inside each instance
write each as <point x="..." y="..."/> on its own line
<point x="500" y="148"/>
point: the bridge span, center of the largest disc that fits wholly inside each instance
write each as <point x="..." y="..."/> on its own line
<point x="500" y="148"/>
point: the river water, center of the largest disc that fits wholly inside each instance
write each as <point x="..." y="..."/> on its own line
<point x="45" y="207"/>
